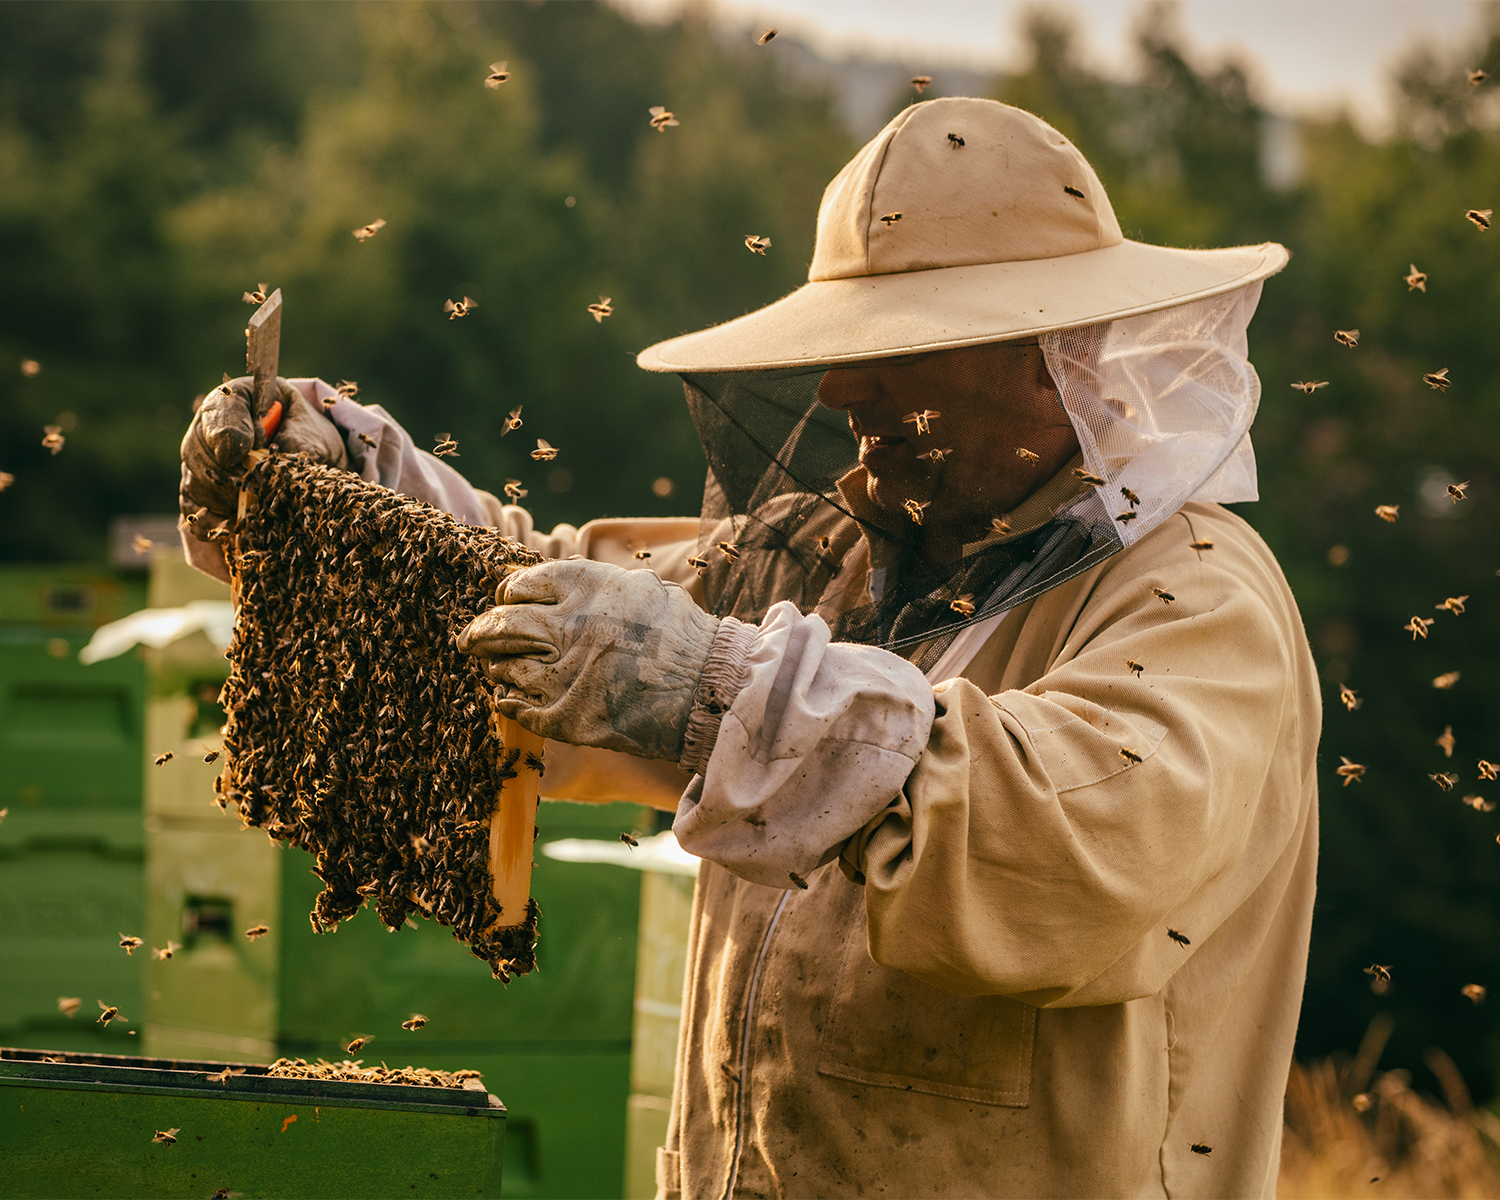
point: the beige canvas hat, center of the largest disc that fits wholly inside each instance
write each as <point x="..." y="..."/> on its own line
<point x="964" y="221"/>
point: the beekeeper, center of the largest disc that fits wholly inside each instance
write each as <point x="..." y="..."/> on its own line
<point x="996" y="731"/>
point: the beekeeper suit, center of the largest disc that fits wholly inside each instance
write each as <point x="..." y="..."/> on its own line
<point x="996" y="732"/>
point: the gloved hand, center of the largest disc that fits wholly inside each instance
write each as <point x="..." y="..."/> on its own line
<point x="225" y="429"/>
<point x="595" y="655"/>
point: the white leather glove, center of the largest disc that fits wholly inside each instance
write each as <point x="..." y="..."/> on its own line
<point x="594" y="655"/>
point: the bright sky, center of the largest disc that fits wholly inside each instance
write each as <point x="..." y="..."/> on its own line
<point x="1305" y="54"/>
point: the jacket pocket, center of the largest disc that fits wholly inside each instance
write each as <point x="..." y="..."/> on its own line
<point x="889" y="1029"/>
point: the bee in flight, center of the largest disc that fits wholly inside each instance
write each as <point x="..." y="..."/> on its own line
<point x="629" y="840"/>
<point x="1444" y="780"/>
<point x="211" y="756"/>
<point x="1446" y="741"/>
<point x="1476" y="77"/>
<point x="937" y="455"/>
<point x="1378" y="973"/>
<point x="642" y="555"/>
<point x="1388" y="512"/>
<point x="1201" y="544"/>
<point x="1129" y="755"/>
<point x="1136" y="668"/>
<point x="1310" y="386"/>
<point x="1087" y="477"/>
<point x="258" y="296"/>
<point x="798" y="880"/>
<point x="513" y="421"/>
<point x="365" y="232"/>
<point x="447" y="446"/>
<point x="921" y="82"/>
<point x="165" y="952"/>
<point x="955" y="141"/>
<point x="602" y="309"/>
<point x="1029" y="456"/>
<point x="1349" y="772"/>
<point x="999" y="524"/>
<point x="1163" y="595"/>
<point x="767" y="36"/>
<point x="1458" y="491"/>
<point x="69" y="1005"/>
<point x="545" y="451"/>
<point x="1130" y="497"/>
<point x="1488" y="770"/>
<point x="514" y="492"/>
<point x="1346" y="337"/>
<point x="52" y="438"/>
<point x="1200" y="1148"/>
<point x="1480" y="217"/>
<point x="1453" y="604"/>
<point x="130" y="944"/>
<point x="921" y="420"/>
<point x="1418" y="627"/>
<point x="964" y="605"/>
<point x="914" y="509"/>
<point x="1445" y="681"/>
<point x="757" y="243"/>
<point x="499" y="73"/>
<point x="1437" y="380"/>
<point x="459" y="308"/>
<point x="1350" y="699"/>
<point x="165" y="1137"/>
<point x="1479" y="804"/>
<point x="414" y="1022"/>
<point x="1473" y="991"/>
<point x="108" y="1013"/>
<point x="1416" y="281"/>
<point x="1127" y="516"/>
<point x="890" y="218"/>
<point x="661" y="118"/>
<point x="162" y="760"/>
<point x="355" y="1045"/>
<point x="257" y="931"/>
<point x="225" y="1075"/>
<point x="729" y="550"/>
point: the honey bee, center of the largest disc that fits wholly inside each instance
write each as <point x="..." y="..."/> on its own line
<point x="419" y="844"/>
<point x="211" y="756"/>
<point x="1135" y="667"/>
<point x="1163" y="595"/>
<point x="414" y="1022"/>
<point x="955" y="141"/>
<point x="921" y="82"/>
<point x="513" y="421"/>
<point x="1479" y="804"/>
<point x="1087" y="477"/>
<point x="1379" y="973"/>
<point x="1127" y="516"/>
<point x="514" y="492"/>
<point x="162" y="760"/>
<point x="69" y="1005"/>
<point x="1480" y="217"/>
<point x="365" y="232"/>
<point x="1476" y="77"/>
<point x="499" y="73"/>
<point x="757" y="243"/>
<point x="824" y="542"/>
<point x="255" y="932"/>
<point x="130" y="944"/>
<point x="1349" y="697"/>
<point x="1453" y="604"/>
<point x="141" y="544"/>
<point x="729" y="550"/>
<point x="1072" y="191"/>
<point x="1444" y="780"/>
<point x="166" y="1137"/>
<point x="1349" y="772"/>
<point x="964" y="605"/>
<point x="1200" y="1148"/>
<point x="355" y="1045"/>
<point x="165" y="952"/>
<point x="937" y="455"/>
<point x="767" y="36"/>
<point x="1000" y="525"/>
<point x="1130" y="497"/>
<point x="258" y="296"/>
<point x="1129" y="755"/>
<point x="459" y="308"/>
<point x="921" y="419"/>
<point x="1488" y="770"/>
<point x="1437" y="380"/>
<point x="447" y="446"/>
<point x="52" y="438"/>
<point x="225" y="1075"/>
<point x="1310" y="386"/>
<point x="6" y="479"/>
<point x="368" y="440"/>
<point x="661" y="118"/>
<point x="602" y="309"/>
<point x="1473" y="991"/>
<point x="1447" y="680"/>
<point x="1446" y="741"/>
<point x="642" y="555"/>
<point x="1388" y="512"/>
<point x="108" y="1013"/>
<point x="698" y="564"/>
<point x="1416" y="281"/>
<point x="798" y="880"/>
<point x="914" y="509"/>
<point x="1022" y="452"/>
<point x="347" y="389"/>
<point x="1346" y="337"/>
<point x="1201" y="544"/>
<point x="629" y="841"/>
<point x="1458" y="491"/>
<point x="545" y="451"/>
<point x="1418" y="627"/>
<point x="890" y="218"/>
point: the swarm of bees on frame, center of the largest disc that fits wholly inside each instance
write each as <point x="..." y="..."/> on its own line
<point x="356" y="730"/>
<point x="356" y="1072"/>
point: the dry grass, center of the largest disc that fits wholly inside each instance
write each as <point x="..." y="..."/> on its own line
<point x="1353" y="1133"/>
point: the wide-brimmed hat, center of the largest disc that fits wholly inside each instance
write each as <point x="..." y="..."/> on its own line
<point x="964" y="221"/>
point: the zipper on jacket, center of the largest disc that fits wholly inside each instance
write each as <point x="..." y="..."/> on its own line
<point x="744" y="1056"/>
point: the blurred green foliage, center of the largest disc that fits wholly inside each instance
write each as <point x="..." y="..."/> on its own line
<point x="157" y="160"/>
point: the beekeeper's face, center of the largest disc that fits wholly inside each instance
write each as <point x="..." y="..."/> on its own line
<point x="992" y="401"/>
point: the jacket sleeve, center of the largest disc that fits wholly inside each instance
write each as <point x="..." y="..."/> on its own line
<point x="1030" y="854"/>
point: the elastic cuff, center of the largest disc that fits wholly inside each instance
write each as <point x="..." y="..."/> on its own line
<point x="724" y="674"/>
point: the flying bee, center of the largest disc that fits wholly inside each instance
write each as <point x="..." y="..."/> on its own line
<point x="1480" y="217"/>
<point x="1444" y="780"/>
<point x="1378" y="973"/>
<point x="890" y="219"/>
<point x="1073" y="191"/>
<point x="258" y="296"/>
<point x="141" y="544"/>
<point x="130" y="944"/>
<point x="108" y="1013"/>
<point x="256" y="932"/>
<point x="1349" y="697"/>
<point x="1200" y="1148"/>
<point x="513" y="421"/>
<point x="1346" y="337"/>
<point x="914" y="509"/>
<point x="1453" y="604"/>
<point x="1127" y="516"/>
<point x="921" y="420"/>
<point x="447" y="446"/>
<point x="365" y="232"/>
<point x="757" y="243"/>
<point x="1388" y="512"/>
<point x="767" y="36"/>
<point x="534" y="763"/>
<point x="6" y="479"/>
<point x="499" y="73"/>
<point x="1437" y="380"/>
<point x="545" y="451"/>
<point x="824" y="542"/>
<point x="1022" y="452"/>
<point x="1163" y="595"/>
<point x="1310" y="386"/>
<point x="162" y="760"/>
<point x="211" y="756"/>
<point x="661" y="118"/>
<point x="955" y="141"/>
<point x="1446" y="741"/>
<point x="642" y="555"/>
<point x="165" y="952"/>
<point x="1458" y="491"/>
<point x="1479" y="804"/>
<point x="729" y="550"/>
<point x="1418" y="627"/>
<point x="1134" y="667"/>
<point x="347" y="389"/>
<point x="1087" y="477"/>
<point x="1129" y="755"/>
<point x="52" y="438"/>
<point x="414" y="1022"/>
<point x="1476" y="77"/>
<point x="629" y="841"/>
<point x="798" y="880"/>
<point x="419" y="844"/>
<point x="1473" y="991"/>
<point x="355" y="1045"/>
<point x="225" y="1075"/>
<point x="698" y="564"/>
<point x="1416" y="281"/>
<point x="514" y="492"/>
<point x="602" y="309"/>
<point x="459" y="308"/>
<point x="937" y="455"/>
<point x="1000" y="525"/>
<point x="1201" y="544"/>
<point x="1349" y="772"/>
<point x="964" y="605"/>
<point x="367" y="440"/>
<point x="165" y="1137"/>
<point x="921" y="83"/>
<point x="1445" y="681"/>
<point x="1130" y="497"/>
<point x="1488" y="770"/>
<point x="69" y="1005"/>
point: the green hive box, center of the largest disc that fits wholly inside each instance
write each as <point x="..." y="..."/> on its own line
<point x="86" y="1126"/>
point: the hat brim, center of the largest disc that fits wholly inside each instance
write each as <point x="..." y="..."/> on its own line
<point x="876" y="316"/>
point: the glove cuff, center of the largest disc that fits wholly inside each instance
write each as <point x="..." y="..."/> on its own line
<point x="724" y="674"/>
